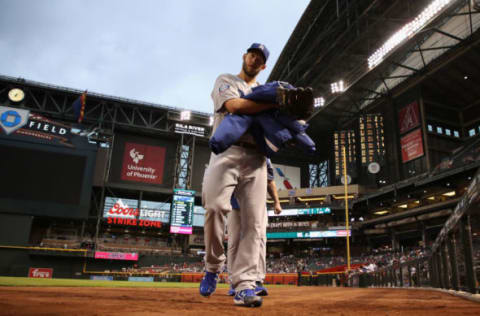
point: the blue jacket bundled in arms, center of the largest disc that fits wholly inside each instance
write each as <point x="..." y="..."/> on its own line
<point x="271" y="129"/>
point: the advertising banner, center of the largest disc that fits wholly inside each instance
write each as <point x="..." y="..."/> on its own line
<point x="412" y="145"/>
<point x="309" y="234"/>
<point x="286" y="177"/>
<point x="181" y="230"/>
<point x="23" y="123"/>
<point x="42" y="273"/>
<point x="101" y="277"/>
<point x="155" y="211"/>
<point x="408" y="117"/>
<point x="140" y="279"/>
<point x="11" y="119"/>
<point x="143" y="163"/>
<point x="181" y="128"/>
<point x="132" y="256"/>
<point x="288" y="224"/>
<point x="126" y="212"/>
<point x="302" y="211"/>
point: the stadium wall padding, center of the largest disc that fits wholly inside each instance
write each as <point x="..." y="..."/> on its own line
<point x="17" y="262"/>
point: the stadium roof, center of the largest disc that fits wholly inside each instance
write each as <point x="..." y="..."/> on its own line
<point x="334" y="40"/>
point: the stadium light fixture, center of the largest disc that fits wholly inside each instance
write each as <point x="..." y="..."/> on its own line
<point x="210" y="122"/>
<point x="380" y="212"/>
<point x="337" y="87"/>
<point x="450" y="193"/>
<point x="185" y="115"/>
<point x="407" y="31"/>
<point x="319" y="102"/>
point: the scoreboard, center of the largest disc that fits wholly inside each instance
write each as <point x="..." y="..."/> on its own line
<point x="181" y="214"/>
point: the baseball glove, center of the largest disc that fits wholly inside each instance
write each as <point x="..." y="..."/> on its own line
<point x="296" y="102"/>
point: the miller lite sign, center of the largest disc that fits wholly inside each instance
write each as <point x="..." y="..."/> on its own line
<point x="42" y="273"/>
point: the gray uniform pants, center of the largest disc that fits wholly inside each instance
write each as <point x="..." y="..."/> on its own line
<point x="234" y="236"/>
<point x="244" y="171"/>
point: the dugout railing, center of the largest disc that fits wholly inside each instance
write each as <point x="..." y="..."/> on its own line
<point x="454" y="261"/>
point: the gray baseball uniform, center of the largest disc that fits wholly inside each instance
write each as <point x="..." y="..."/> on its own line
<point x="235" y="234"/>
<point x="239" y="169"/>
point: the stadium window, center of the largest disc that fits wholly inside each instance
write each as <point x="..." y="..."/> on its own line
<point x="430" y="128"/>
<point x="448" y="132"/>
<point x="456" y="134"/>
<point x="471" y="132"/>
<point x="439" y="130"/>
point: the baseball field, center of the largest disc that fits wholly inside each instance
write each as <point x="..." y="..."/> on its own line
<point x="24" y="296"/>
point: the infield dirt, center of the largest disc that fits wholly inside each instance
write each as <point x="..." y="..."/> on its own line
<point x="186" y="301"/>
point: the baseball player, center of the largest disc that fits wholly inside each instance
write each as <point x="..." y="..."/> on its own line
<point x="241" y="168"/>
<point x="235" y="234"/>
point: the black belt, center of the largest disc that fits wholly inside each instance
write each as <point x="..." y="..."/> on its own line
<point x="245" y="145"/>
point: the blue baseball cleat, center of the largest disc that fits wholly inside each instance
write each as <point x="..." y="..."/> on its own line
<point x="208" y="285"/>
<point x="247" y="298"/>
<point x="231" y="291"/>
<point x="260" y="290"/>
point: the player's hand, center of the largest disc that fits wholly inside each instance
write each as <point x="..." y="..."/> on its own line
<point x="277" y="208"/>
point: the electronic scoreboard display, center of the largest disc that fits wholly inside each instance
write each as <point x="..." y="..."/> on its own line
<point x="302" y="211"/>
<point x="181" y="214"/>
<point x="310" y="234"/>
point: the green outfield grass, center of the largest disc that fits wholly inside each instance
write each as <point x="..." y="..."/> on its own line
<point x="17" y="281"/>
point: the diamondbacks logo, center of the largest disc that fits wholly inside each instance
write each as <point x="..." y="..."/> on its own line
<point x="135" y="155"/>
<point x="408" y="117"/>
<point x="12" y="119"/>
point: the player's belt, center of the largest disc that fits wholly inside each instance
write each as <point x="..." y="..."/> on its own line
<point x="245" y="145"/>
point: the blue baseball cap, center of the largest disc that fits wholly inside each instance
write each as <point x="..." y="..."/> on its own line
<point x="262" y="48"/>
